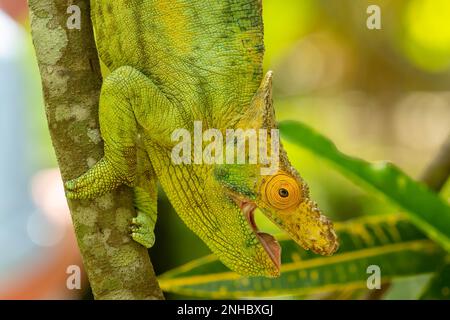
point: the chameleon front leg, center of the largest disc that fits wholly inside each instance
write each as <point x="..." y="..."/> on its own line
<point x="130" y="105"/>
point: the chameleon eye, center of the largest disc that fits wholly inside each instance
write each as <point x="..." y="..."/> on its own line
<point x="282" y="192"/>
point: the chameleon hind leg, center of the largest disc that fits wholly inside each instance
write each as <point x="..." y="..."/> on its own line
<point x="145" y="201"/>
<point x="130" y="104"/>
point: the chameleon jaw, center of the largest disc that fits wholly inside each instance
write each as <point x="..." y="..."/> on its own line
<point x="269" y="243"/>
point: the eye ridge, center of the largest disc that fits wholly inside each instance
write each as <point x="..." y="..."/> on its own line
<point x="283" y="192"/>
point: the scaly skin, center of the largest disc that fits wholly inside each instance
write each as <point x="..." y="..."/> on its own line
<point x="172" y="63"/>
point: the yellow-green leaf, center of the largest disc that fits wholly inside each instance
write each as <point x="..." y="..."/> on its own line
<point x="388" y="241"/>
<point x="439" y="286"/>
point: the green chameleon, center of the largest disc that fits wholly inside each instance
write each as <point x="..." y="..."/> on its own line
<point x="173" y="63"/>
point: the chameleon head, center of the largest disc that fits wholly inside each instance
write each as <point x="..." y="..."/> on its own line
<point x="285" y="200"/>
<point x="283" y="197"/>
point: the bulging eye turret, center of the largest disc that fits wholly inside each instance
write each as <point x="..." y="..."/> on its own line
<point x="282" y="192"/>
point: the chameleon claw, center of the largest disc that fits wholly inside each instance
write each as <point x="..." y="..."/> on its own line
<point x="143" y="240"/>
<point x="70" y="185"/>
<point x="141" y="231"/>
<point x="70" y="195"/>
<point x="76" y="190"/>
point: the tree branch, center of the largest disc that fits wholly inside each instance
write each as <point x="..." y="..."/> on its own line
<point x="438" y="171"/>
<point x="117" y="267"/>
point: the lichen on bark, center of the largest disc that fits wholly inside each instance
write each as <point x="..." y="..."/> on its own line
<point x="117" y="267"/>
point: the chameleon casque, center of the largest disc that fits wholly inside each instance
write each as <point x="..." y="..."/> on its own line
<point x="174" y="62"/>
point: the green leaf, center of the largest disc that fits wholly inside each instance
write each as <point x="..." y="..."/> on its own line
<point x="439" y="286"/>
<point x="390" y="242"/>
<point x="426" y="210"/>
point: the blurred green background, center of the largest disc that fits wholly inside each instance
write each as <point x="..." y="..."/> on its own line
<point x="378" y="94"/>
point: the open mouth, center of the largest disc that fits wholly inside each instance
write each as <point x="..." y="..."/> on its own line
<point x="269" y="243"/>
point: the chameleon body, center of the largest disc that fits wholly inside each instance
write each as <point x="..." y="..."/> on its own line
<point x="179" y="61"/>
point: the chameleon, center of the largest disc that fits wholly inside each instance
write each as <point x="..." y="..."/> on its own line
<point x="173" y="62"/>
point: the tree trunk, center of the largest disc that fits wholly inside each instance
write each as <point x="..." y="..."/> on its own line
<point x="117" y="267"/>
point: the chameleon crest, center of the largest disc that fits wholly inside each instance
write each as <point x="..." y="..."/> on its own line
<point x="173" y="63"/>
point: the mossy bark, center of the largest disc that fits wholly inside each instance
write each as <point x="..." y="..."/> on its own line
<point x="117" y="267"/>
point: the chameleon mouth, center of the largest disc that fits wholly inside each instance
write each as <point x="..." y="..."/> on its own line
<point x="269" y="243"/>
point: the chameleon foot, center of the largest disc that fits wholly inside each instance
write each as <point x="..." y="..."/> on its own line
<point x="96" y="181"/>
<point x="142" y="230"/>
